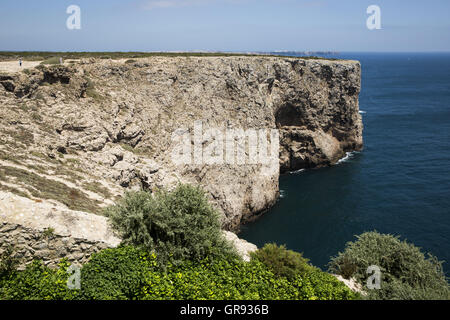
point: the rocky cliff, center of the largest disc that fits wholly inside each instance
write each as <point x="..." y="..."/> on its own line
<point x="81" y="133"/>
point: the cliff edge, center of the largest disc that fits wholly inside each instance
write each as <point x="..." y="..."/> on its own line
<point x="81" y="133"/>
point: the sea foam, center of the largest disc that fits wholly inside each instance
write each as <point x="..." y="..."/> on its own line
<point x="297" y="171"/>
<point x="348" y="156"/>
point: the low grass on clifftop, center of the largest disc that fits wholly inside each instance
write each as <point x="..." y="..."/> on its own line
<point x="43" y="188"/>
<point x="54" y="56"/>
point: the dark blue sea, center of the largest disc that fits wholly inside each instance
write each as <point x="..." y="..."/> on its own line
<point x="399" y="183"/>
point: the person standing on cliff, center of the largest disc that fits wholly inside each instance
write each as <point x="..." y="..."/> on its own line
<point x="20" y="62"/>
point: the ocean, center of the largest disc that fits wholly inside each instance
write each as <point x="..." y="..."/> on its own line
<point x="399" y="183"/>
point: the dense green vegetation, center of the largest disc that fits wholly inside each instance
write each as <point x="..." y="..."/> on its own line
<point x="173" y="248"/>
<point x="8" y="263"/>
<point x="405" y="271"/>
<point x="178" y="225"/>
<point x="131" y="273"/>
<point x="282" y="262"/>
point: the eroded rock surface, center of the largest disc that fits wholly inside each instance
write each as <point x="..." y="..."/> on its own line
<point x="104" y="126"/>
<point x="50" y="232"/>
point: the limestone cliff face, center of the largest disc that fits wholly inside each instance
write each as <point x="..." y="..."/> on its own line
<point x="319" y="119"/>
<point x="82" y="133"/>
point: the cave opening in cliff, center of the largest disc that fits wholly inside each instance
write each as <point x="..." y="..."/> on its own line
<point x="289" y="115"/>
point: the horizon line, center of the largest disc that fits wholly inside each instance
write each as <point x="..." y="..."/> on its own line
<point x="226" y="51"/>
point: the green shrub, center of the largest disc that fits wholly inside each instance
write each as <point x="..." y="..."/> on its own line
<point x="130" y="61"/>
<point x="398" y="290"/>
<point x="8" y="262"/>
<point x="406" y="272"/>
<point x="346" y="267"/>
<point x="131" y="273"/>
<point x="246" y="281"/>
<point x="38" y="282"/>
<point x="177" y="225"/>
<point x="213" y="280"/>
<point x="282" y="262"/>
<point x="116" y="274"/>
<point x="325" y="286"/>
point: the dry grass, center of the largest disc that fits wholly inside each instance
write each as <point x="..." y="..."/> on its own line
<point x="41" y="187"/>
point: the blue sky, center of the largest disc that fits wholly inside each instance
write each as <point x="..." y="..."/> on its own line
<point x="225" y="25"/>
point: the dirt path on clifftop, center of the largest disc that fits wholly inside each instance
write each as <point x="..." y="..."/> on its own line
<point x="13" y="66"/>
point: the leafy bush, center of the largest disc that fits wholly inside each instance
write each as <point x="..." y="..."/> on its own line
<point x="131" y="273"/>
<point x="177" y="225"/>
<point x="8" y="262"/>
<point x="346" y="267"/>
<point x="406" y="272"/>
<point x="218" y="279"/>
<point x="116" y="273"/>
<point x="111" y="274"/>
<point x="282" y="262"/>
<point x="180" y="231"/>
<point x="38" y="282"/>
<point x="327" y="287"/>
